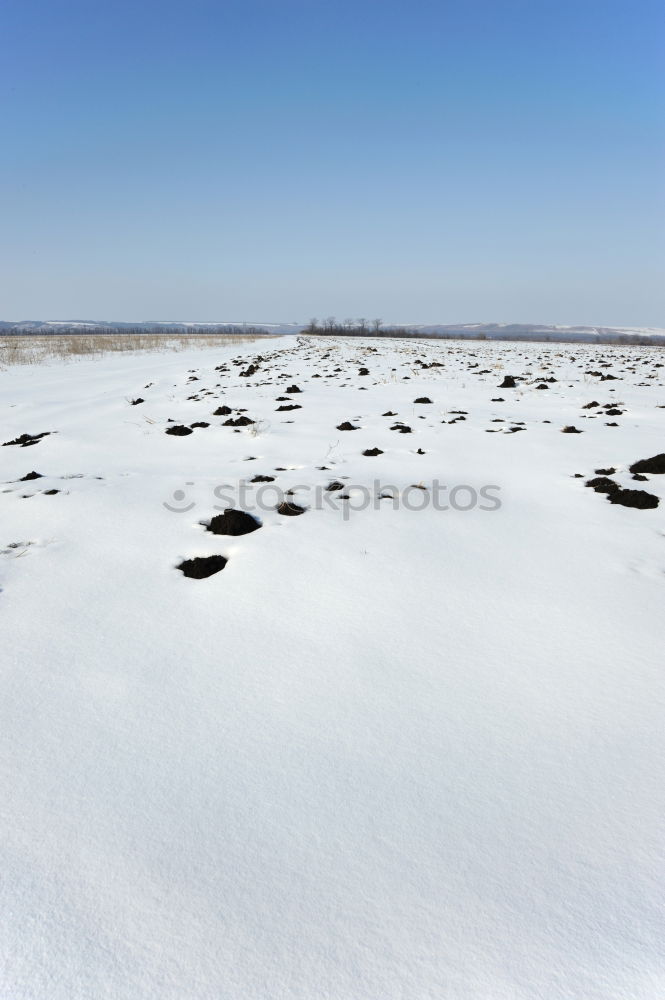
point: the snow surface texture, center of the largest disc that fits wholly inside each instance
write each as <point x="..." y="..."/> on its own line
<point x="400" y="755"/>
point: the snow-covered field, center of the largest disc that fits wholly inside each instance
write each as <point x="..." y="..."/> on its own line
<point x="391" y="751"/>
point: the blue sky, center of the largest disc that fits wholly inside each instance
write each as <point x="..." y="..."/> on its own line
<point x="451" y="161"/>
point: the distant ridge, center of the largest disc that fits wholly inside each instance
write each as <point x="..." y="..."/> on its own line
<point x="28" y="326"/>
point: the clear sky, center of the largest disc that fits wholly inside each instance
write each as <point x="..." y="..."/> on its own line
<point x="422" y="161"/>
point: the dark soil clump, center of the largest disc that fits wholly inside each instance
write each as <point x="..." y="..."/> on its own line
<point x="634" y="498"/>
<point x="25" y="440"/>
<point x="233" y="522"/>
<point x="202" y="566"/>
<point x="601" y="484"/>
<point x="179" y="430"/>
<point x="655" y="465"/>
<point x="289" y="509"/>
<point x="238" y="422"/>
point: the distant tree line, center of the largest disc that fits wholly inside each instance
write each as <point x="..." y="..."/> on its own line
<point x="355" y="328"/>
<point x="80" y="329"/>
<point x="330" y="326"/>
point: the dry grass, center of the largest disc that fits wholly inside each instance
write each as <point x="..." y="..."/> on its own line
<point x="32" y="350"/>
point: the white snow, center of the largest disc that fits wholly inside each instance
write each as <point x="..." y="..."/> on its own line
<point x="403" y="755"/>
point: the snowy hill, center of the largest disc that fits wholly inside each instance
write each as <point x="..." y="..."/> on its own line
<point x="538" y="331"/>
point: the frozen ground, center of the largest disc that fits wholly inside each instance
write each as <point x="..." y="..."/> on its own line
<point x="385" y="753"/>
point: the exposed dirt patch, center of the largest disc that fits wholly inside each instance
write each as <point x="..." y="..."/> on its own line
<point x="289" y="509"/>
<point x="639" y="499"/>
<point x="233" y="522"/>
<point x="654" y="466"/>
<point x="25" y="440"/>
<point x="238" y="422"/>
<point x="202" y="566"/>
<point x="179" y="430"/>
<point x="601" y="484"/>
